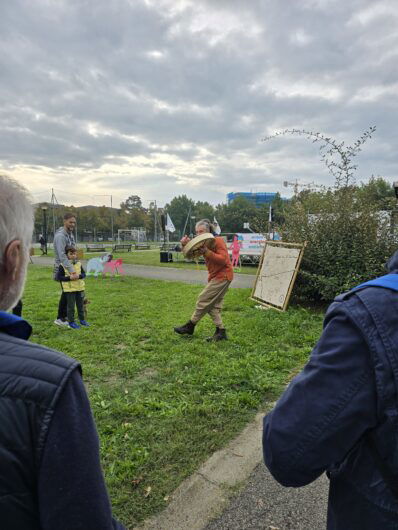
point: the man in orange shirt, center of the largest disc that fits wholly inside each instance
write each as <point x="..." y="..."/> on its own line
<point x="220" y="276"/>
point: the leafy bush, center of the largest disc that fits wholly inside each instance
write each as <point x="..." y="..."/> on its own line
<point x="348" y="241"/>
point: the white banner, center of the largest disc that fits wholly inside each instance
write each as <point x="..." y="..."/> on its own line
<point x="169" y="224"/>
<point x="217" y="228"/>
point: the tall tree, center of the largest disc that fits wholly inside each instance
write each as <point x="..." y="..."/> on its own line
<point x="204" y="210"/>
<point x="137" y="215"/>
<point x="133" y="202"/>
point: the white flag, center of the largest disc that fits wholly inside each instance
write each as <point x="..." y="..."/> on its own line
<point x="270" y="214"/>
<point x="169" y="224"/>
<point x="217" y="228"/>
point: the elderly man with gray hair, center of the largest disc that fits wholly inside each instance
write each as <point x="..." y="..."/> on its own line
<point x="220" y="276"/>
<point x="50" y="475"/>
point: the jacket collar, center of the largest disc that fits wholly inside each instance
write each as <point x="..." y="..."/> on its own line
<point x="65" y="231"/>
<point x="14" y="326"/>
<point x="389" y="281"/>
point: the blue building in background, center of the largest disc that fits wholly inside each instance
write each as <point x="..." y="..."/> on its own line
<point x="258" y="199"/>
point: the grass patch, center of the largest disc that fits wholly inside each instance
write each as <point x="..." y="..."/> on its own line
<point x="163" y="403"/>
<point x="152" y="258"/>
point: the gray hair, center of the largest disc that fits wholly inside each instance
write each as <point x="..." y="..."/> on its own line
<point x="16" y="214"/>
<point x="207" y="224"/>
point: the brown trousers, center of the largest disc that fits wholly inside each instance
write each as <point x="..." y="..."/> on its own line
<point x="210" y="301"/>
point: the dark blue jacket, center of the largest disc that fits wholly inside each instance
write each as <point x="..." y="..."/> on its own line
<point x="50" y="472"/>
<point x="346" y="393"/>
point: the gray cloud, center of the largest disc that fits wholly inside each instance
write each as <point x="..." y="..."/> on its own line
<point x="159" y="97"/>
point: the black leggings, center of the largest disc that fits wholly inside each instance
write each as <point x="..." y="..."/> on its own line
<point x="62" y="306"/>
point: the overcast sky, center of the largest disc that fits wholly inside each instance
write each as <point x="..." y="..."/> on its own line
<point x="163" y="97"/>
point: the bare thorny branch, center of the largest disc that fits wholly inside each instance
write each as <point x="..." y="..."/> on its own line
<point x="343" y="168"/>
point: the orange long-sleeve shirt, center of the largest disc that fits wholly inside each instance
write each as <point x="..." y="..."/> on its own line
<point x="218" y="263"/>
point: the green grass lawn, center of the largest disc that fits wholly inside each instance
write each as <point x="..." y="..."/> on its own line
<point x="152" y="257"/>
<point x="163" y="403"/>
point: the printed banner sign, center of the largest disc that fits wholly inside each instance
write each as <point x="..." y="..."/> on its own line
<point x="251" y="244"/>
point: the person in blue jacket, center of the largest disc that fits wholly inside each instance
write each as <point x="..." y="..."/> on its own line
<point x="50" y="470"/>
<point x="340" y="414"/>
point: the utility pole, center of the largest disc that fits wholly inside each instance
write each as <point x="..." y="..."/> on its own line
<point x="111" y="219"/>
<point x="156" y="224"/>
<point x="106" y="195"/>
<point x="53" y="210"/>
<point x="186" y="221"/>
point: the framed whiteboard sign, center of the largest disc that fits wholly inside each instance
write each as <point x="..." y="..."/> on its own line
<point x="277" y="273"/>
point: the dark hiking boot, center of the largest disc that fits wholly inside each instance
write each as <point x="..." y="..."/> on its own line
<point x="186" y="329"/>
<point x="219" y="334"/>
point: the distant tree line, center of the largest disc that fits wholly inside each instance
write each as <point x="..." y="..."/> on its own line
<point x="95" y="222"/>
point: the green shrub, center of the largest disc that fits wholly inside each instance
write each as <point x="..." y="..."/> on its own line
<point x="348" y="241"/>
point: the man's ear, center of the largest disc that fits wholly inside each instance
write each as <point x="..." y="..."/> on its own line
<point x="12" y="259"/>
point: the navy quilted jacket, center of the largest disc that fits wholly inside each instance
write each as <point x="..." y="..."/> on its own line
<point x="50" y="473"/>
<point x="347" y="390"/>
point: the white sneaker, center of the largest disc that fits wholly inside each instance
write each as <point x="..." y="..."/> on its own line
<point x="60" y="322"/>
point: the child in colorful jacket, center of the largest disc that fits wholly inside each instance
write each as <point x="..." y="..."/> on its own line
<point x="73" y="289"/>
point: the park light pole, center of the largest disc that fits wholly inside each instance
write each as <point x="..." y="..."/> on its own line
<point x="44" y="210"/>
<point x="153" y="205"/>
<point x="112" y="219"/>
<point x="193" y="217"/>
<point x="105" y="195"/>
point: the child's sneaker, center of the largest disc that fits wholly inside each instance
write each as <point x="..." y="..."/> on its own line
<point x="84" y="323"/>
<point x="60" y="322"/>
<point x="73" y="325"/>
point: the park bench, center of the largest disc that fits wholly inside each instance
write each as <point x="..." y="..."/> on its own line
<point x="142" y="246"/>
<point x="122" y="246"/>
<point x="95" y="247"/>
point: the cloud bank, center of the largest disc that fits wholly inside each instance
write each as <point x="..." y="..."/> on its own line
<point x="159" y="98"/>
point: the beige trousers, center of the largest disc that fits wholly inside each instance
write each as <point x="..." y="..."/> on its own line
<point x="210" y="301"/>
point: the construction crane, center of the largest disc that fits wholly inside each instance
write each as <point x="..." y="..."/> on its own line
<point x="296" y="185"/>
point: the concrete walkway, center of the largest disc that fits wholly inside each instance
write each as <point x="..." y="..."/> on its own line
<point x="165" y="273"/>
<point x="265" y="505"/>
<point x="208" y="500"/>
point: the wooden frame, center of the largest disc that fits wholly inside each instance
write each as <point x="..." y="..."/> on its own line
<point x="283" y="307"/>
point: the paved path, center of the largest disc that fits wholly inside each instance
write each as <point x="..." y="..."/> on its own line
<point x="166" y="273"/>
<point x="264" y="504"/>
<point x="205" y="500"/>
